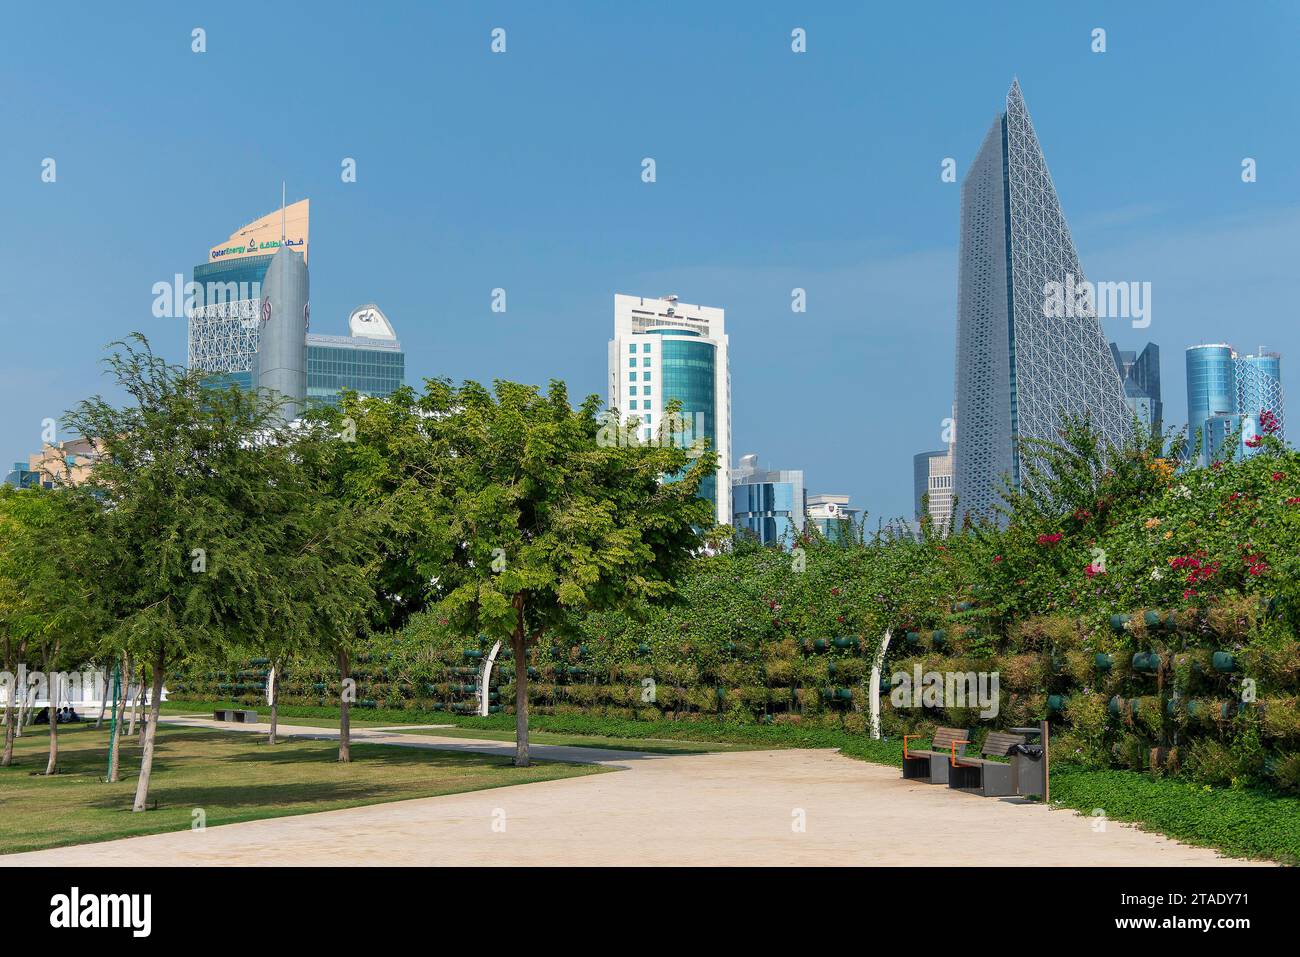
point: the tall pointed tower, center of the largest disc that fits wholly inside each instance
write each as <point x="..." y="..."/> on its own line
<point x="1019" y="371"/>
<point x="281" y="363"/>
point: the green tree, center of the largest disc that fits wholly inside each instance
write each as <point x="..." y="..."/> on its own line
<point x="187" y="480"/>
<point x="332" y="543"/>
<point x="526" y="511"/>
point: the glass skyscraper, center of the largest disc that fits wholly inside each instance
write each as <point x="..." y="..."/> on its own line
<point x="226" y="323"/>
<point x="1140" y="375"/>
<point x="769" y="505"/>
<point x="1259" y="389"/>
<point x="1227" y="392"/>
<point x="1019" y="370"/>
<point x="662" y="350"/>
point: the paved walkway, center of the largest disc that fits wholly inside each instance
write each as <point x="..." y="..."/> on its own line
<point x="730" y="808"/>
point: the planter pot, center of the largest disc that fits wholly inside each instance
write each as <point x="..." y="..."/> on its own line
<point x="1223" y="662"/>
<point x="1146" y="661"/>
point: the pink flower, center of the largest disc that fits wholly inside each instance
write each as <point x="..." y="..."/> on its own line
<point x="1278" y="476"/>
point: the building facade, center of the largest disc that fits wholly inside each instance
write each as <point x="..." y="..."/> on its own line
<point x="767" y="505"/>
<point x="1259" y="392"/>
<point x="1140" y="374"/>
<point x="833" y="517"/>
<point x="662" y="350"/>
<point x="60" y="463"/>
<point x="932" y="476"/>
<point x="1018" y="369"/>
<point x="369" y="360"/>
<point x="230" y="319"/>
<point x="1227" y="393"/>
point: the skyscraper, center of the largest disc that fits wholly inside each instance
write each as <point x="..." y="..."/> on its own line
<point x="225" y="324"/>
<point x="664" y="349"/>
<point x="229" y="322"/>
<point x="932" y="476"/>
<point x="1228" y="393"/>
<point x="1019" y="370"/>
<point x="769" y="504"/>
<point x="1259" y="390"/>
<point x="1140" y="375"/>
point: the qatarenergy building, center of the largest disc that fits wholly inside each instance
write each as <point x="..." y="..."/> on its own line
<point x="251" y="323"/>
<point x="1019" y="370"/>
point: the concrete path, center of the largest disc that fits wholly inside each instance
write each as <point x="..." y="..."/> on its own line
<point x="791" y="807"/>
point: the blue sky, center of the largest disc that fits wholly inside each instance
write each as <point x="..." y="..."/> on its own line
<point x="522" y="170"/>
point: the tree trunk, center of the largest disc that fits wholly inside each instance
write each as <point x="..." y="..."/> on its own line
<point x="103" y="701"/>
<point x="136" y="703"/>
<point x="274" y="690"/>
<point x="22" y="713"/>
<point x="8" y="756"/>
<point x="345" y="727"/>
<point x="150" y="735"/>
<point x="53" y="680"/>
<point x="119" y="714"/>
<point x="518" y="645"/>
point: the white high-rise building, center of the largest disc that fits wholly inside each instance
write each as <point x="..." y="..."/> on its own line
<point x="664" y="349"/>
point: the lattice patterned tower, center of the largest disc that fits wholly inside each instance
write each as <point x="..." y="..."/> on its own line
<point x="1019" y="371"/>
<point x="1259" y="390"/>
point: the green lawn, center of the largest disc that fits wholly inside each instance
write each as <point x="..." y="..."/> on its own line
<point x="651" y="745"/>
<point x="1237" y="821"/>
<point x="232" y="776"/>
<point x="200" y="710"/>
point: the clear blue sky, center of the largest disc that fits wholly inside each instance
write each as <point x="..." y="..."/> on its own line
<point x="522" y="171"/>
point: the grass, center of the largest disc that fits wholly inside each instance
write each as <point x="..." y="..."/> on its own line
<point x="1239" y="822"/>
<point x="585" y="731"/>
<point x="231" y="776"/>
<point x="650" y="745"/>
<point x="201" y="710"/>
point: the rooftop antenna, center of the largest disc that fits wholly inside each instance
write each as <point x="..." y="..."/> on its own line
<point x="281" y="214"/>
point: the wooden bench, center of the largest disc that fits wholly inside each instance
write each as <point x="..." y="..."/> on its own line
<point x="931" y="765"/>
<point x="989" y="778"/>
<point x="238" y="716"/>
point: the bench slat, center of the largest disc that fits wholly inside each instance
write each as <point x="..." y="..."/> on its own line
<point x="1001" y="743"/>
<point x="944" y="738"/>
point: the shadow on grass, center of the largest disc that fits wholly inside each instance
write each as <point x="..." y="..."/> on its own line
<point x="384" y="755"/>
<point x="216" y="797"/>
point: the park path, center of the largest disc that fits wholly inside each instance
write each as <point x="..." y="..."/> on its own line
<point x="727" y="808"/>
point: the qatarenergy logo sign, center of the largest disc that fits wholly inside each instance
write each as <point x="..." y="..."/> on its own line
<point x="78" y="910"/>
